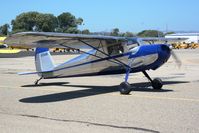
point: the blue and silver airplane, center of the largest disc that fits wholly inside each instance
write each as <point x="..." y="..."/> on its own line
<point x="101" y="55"/>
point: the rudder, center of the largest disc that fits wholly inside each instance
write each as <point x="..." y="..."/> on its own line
<point x="43" y="60"/>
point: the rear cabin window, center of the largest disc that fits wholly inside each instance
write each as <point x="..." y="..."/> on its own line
<point x="115" y="49"/>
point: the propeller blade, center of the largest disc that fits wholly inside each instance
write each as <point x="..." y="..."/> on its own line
<point x="176" y="59"/>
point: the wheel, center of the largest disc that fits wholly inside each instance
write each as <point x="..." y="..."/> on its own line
<point x="125" y="88"/>
<point x="157" y="84"/>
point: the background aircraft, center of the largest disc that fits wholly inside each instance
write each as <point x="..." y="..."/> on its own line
<point x="106" y="55"/>
<point x="4" y="48"/>
<point x="2" y="45"/>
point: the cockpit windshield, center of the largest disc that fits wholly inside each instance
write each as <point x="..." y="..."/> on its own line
<point x="140" y="41"/>
<point x="132" y="43"/>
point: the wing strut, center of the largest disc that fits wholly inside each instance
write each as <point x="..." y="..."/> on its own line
<point x="80" y="51"/>
<point x="118" y="61"/>
<point x="88" y="53"/>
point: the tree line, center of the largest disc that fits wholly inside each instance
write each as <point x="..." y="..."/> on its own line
<point x="64" y="23"/>
<point x="43" y="22"/>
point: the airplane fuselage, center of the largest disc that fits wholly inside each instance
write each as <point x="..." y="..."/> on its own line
<point x="140" y="58"/>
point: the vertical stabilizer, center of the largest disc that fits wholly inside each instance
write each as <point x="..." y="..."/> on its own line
<point x="43" y="60"/>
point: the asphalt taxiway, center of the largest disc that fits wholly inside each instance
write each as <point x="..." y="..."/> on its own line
<point x="94" y="104"/>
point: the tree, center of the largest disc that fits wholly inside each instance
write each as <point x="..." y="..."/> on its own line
<point x="86" y="31"/>
<point x="46" y="22"/>
<point x="115" y="32"/>
<point x="24" y="22"/>
<point x="169" y="33"/>
<point x="68" y="23"/>
<point x="79" y="21"/>
<point x="150" y="33"/>
<point x="128" y="34"/>
<point x="4" y="29"/>
<point x="73" y="30"/>
<point x="34" y="21"/>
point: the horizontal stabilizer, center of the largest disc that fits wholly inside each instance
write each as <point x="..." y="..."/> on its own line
<point x="27" y="73"/>
<point x="30" y="73"/>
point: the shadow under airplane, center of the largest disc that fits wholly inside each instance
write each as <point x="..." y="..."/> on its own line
<point x="90" y="91"/>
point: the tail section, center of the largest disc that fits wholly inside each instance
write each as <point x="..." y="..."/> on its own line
<point x="43" y="60"/>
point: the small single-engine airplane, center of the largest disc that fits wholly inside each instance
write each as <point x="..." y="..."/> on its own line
<point x="107" y="55"/>
<point x="1" y="43"/>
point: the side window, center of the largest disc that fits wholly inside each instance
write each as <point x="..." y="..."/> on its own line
<point x="132" y="44"/>
<point x="115" y="49"/>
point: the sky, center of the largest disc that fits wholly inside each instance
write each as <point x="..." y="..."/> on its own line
<point x="104" y="15"/>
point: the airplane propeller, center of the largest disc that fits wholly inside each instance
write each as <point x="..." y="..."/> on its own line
<point x="175" y="57"/>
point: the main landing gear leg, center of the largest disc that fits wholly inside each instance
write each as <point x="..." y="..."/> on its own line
<point x="156" y="83"/>
<point x="125" y="87"/>
<point x="37" y="81"/>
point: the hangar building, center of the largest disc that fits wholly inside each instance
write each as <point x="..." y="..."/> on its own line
<point x="192" y="37"/>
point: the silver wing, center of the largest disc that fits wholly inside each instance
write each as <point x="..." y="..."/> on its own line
<point x="52" y="39"/>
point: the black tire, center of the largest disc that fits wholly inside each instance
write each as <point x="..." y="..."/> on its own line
<point x="157" y="84"/>
<point x="125" y="88"/>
